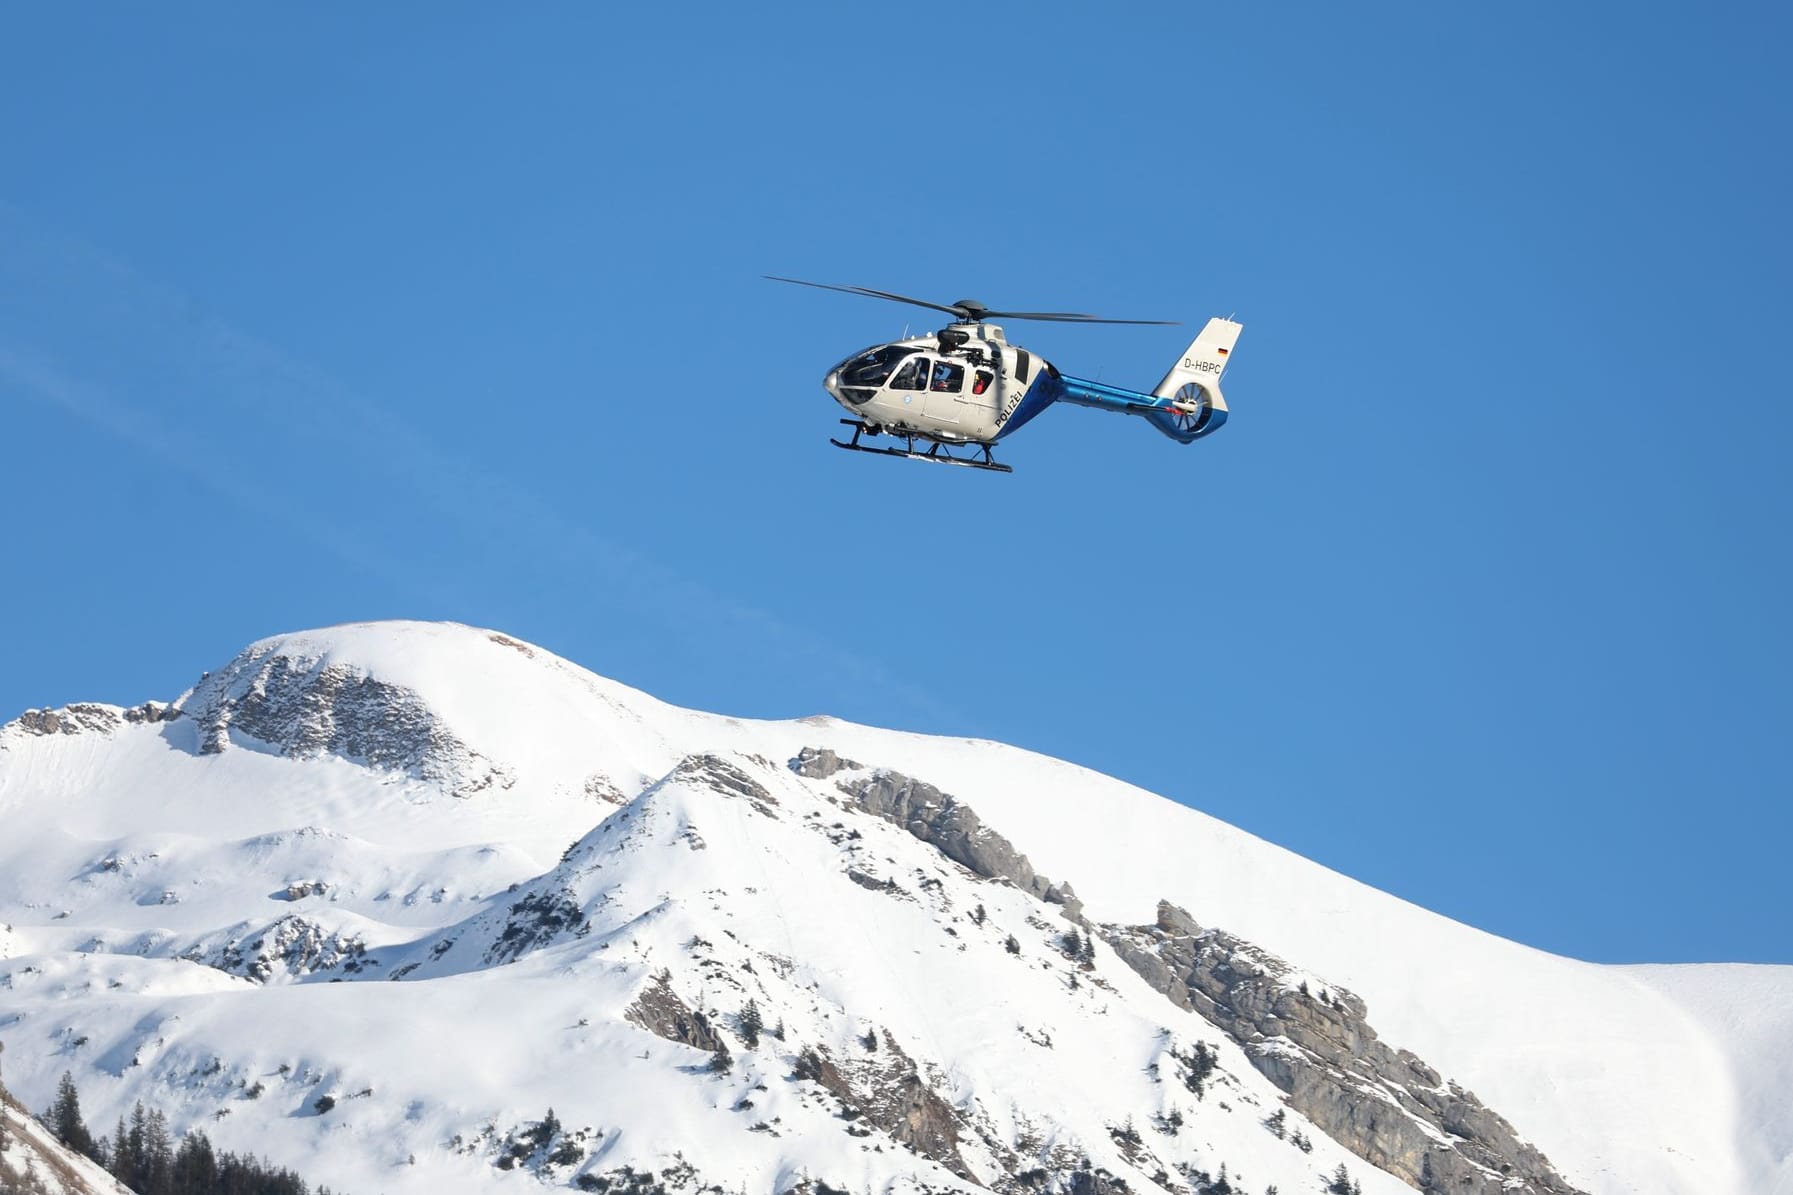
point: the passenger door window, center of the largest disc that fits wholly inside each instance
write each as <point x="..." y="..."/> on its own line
<point x="912" y="376"/>
<point x="948" y="378"/>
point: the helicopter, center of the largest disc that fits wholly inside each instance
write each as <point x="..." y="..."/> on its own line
<point x="951" y="396"/>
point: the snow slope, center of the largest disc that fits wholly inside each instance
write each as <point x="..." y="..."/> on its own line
<point x="340" y="804"/>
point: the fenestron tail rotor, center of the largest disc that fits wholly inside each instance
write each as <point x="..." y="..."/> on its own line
<point x="1190" y="408"/>
<point x="970" y="310"/>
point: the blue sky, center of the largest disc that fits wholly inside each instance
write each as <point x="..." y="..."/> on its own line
<point x="444" y="312"/>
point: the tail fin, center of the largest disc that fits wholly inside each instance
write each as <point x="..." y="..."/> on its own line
<point x="1194" y="382"/>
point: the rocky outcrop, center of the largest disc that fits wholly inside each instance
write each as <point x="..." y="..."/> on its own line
<point x="1312" y="1040"/>
<point x="536" y="921"/>
<point x="718" y="774"/>
<point x="602" y="788"/>
<point x="292" y="947"/>
<point x="887" y="1092"/>
<point x="1315" y="1043"/>
<point x="949" y="825"/>
<point x="306" y="708"/>
<point x="659" y="1010"/>
<point x="819" y="763"/>
<point x="88" y="717"/>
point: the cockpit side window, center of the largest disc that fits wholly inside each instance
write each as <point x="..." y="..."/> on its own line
<point x="912" y="376"/>
<point x="871" y="367"/>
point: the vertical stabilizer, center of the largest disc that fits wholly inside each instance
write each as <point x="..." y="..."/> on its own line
<point x="1204" y="360"/>
<point x="1193" y="385"/>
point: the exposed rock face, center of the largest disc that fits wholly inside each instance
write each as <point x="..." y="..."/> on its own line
<point x="951" y="827"/>
<point x="712" y="771"/>
<point x="89" y="717"/>
<point x="291" y="947"/>
<point x="890" y="1094"/>
<point x="602" y="788"/>
<point x="660" y="1011"/>
<point x="819" y="763"/>
<point x="1384" y="1104"/>
<point x="1097" y="1182"/>
<point x="306" y="709"/>
<point x="535" y="921"/>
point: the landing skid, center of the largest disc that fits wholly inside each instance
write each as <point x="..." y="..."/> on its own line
<point x="935" y="451"/>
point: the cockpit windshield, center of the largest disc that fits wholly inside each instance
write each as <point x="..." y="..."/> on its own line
<point x="870" y="368"/>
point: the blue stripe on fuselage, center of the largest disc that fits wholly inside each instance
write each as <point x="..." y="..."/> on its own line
<point x="1036" y="398"/>
<point x="1048" y="389"/>
<point x="1158" y="411"/>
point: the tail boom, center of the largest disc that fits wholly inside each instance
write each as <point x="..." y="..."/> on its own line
<point x="1183" y="418"/>
<point x="1186" y="405"/>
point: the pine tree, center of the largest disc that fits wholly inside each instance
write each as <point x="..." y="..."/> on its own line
<point x="751" y="1024"/>
<point x="137" y="1175"/>
<point x="158" y="1151"/>
<point x="65" y="1118"/>
<point x="195" y="1165"/>
<point x="122" y="1160"/>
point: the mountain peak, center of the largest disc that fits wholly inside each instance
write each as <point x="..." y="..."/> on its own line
<point x="468" y="710"/>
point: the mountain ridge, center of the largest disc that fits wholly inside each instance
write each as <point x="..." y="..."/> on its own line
<point x="574" y="747"/>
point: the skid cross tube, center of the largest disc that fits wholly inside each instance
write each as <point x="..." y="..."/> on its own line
<point x="937" y="451"/>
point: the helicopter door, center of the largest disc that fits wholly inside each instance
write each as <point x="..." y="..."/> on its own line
<point x="909" y="384"/>
<point x="945" y="390"/>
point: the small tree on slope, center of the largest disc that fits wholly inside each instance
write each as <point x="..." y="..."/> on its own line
<point x="65" y="1118"/>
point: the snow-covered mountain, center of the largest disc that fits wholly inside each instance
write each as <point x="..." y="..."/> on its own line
<point x="420" y="907"/>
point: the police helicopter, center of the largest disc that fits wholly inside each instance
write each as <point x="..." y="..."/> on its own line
<point x="950" y="396"/>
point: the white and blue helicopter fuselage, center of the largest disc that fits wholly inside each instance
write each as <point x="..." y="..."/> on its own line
<point x="967" y="385"/>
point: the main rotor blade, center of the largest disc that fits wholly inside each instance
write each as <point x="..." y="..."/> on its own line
<point x="972" y="312"/>
<point x="1072" y="317"/>
<point x="870" y="293"/>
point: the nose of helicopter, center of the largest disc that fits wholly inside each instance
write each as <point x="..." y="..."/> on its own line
<point x="831" y="384"/>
